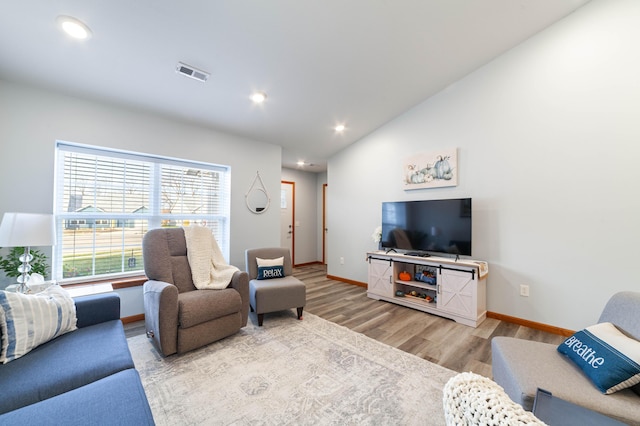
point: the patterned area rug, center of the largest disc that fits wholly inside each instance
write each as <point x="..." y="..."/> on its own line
<point x="290" y="372"/>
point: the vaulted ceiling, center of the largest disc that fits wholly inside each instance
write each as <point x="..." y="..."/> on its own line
<point x="321" y="63"/>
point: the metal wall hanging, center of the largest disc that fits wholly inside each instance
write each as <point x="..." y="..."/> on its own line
<point x="257" y="197"/>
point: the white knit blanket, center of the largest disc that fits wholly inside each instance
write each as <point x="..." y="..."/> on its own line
<point x="471" y="399"/>
<point x="209" y="269"/>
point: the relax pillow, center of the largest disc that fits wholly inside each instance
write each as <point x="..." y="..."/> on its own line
<point x="28" y="321"/>
<point x="270" y="268"/>
<point x="610" y="359"/>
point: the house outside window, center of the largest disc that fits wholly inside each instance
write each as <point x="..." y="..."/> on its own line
<point x="106" y="200"/>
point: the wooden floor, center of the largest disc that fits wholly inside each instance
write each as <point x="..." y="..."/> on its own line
<point x="439" y="340"/>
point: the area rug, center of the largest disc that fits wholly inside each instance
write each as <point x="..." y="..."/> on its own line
<point x="290" y="372"/>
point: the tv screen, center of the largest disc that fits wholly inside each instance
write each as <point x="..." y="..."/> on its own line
<point x="438" y="226"/>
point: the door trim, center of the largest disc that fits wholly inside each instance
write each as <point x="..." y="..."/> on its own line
<point x="324" y="223"/>
<point x="293" y="219"/>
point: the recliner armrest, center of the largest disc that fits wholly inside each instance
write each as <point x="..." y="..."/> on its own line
<point x="162" y="297"/>
<point x="240" y="282"/>
<point x="97" y="308"/>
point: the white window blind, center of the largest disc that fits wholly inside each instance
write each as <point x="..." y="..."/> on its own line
<point x="105" y="201"/>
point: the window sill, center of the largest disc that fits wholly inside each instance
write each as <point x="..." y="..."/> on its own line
<point x="120" y="283"/>
<point x="89" y="289"/>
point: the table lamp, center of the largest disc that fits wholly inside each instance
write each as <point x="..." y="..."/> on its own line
<point x="26" y="230"/>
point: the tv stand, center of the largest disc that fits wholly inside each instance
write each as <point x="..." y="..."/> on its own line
<point x="451" y="288"/>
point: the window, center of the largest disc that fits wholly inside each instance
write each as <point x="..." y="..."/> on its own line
<point x="105" y="201"/>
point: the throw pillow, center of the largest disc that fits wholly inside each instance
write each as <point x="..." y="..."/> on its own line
<point x="270" y="268"/>
<point x="28" y="321"/>
<point x="610" y="359"/>
<point x="279" y="261"/>
<point x="268" y="272"/>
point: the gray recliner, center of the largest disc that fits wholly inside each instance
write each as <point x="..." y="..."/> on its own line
<point x="522" y="366"/>
<point x="179" y="317"/>
<point x="275" y="294"/>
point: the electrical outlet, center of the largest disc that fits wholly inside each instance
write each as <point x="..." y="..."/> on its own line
<point x="524" y="290"/>
<point x="342" y="260"/>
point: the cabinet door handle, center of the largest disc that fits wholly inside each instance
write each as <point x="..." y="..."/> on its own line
<point x="438" y="288"/>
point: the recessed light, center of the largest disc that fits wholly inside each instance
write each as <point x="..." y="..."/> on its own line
<point x="74" y="27"/>
<point x="259" y="97"/>
<point x="339" y="128"/>
<point x="300" y="163"/>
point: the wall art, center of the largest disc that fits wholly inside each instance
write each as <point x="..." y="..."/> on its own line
<point x="431" y="170"/>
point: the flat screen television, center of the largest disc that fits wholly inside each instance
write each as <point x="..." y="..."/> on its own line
<point x="427" y="226"/>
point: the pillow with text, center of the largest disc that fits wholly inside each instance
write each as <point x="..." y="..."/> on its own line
<point x="268" y="272"/>
<point x="609" y="358"/>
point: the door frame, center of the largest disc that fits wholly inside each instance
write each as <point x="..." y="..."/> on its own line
<point x="293" y="219"/>
<point x="324" y="223"/>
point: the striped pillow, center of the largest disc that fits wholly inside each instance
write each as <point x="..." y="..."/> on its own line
<point x="28" y="321"/>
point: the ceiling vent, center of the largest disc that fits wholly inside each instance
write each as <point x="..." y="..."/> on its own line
<point x="192" y="72"/>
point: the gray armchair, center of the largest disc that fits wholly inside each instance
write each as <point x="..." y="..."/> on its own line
<point x="522" y="366"/>
<point x="275" y="294"/>
<point x="179" y="317"/>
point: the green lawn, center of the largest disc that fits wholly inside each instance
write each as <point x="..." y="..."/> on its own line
<point x="105" y="263"/>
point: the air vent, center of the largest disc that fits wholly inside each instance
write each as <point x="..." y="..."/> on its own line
<point x="192" y="72"/>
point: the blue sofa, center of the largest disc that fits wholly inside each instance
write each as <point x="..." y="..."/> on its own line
<point x="83" y="377"/>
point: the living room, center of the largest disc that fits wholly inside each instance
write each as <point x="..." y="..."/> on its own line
<point x="546" y="136"/>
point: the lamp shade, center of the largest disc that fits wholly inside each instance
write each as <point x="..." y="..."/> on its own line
<point x="27" y="230"/>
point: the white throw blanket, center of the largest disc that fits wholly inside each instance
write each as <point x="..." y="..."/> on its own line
<point x="471" y="399"/>
<point x="209" y="270"/>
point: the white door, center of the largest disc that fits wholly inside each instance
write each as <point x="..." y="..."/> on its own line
<point x="324" y="224"/>
<point x="286" y="216"/>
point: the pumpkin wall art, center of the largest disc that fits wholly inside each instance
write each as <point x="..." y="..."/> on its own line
<point x="431" y="170"/>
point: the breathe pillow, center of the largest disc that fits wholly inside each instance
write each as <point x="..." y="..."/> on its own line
<point x="28" y="321"/>
<point x="610" y="359"/>
<point x="270" y="268"/>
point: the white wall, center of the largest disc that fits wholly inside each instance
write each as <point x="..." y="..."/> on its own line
<point x="548" y="148"/>
<point x="31" y="120"/>
<point x="307" y="222"/>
